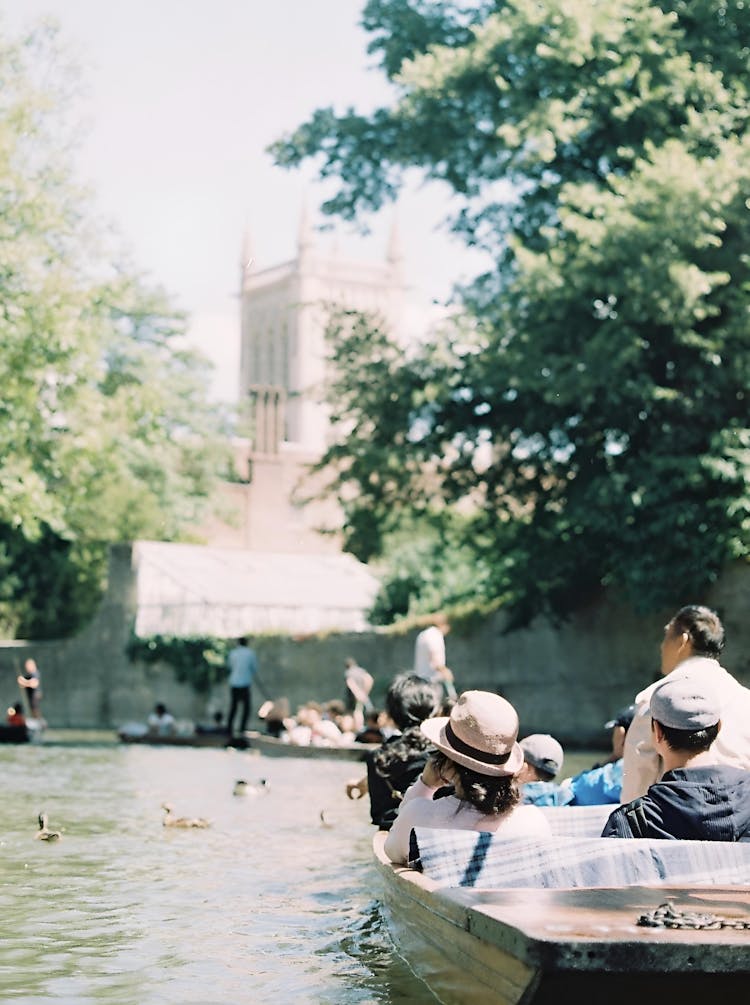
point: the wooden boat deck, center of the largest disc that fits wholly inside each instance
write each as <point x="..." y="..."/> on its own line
<point x="538" y="945"/>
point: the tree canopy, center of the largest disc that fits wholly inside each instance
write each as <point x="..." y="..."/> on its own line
<point x="588" y="406"/>
<point x="106" y="433"/>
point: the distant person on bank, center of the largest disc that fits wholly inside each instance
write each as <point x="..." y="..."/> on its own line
<point x="429" y="656"/>
<point x="30" y="682"/>
<point x="693" y="641"/>
<point x="242" y="664"/>
<point x="696" y="799"/>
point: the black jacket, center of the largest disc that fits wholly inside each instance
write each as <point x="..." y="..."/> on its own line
<point x="388" y="783"/>
<point x="697" y="804"/>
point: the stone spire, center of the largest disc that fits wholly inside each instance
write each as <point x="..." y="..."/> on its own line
<point x="305" y="233"/>
<point x="246" y="256"/>
<point x="395" y="254"/>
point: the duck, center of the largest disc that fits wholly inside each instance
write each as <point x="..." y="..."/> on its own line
<point x="172" y="821"/>
<point x="44" y="833"/>
<point x="244" y="788"/>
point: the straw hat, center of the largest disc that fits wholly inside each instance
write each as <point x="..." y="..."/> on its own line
<point x="480" y="734"/>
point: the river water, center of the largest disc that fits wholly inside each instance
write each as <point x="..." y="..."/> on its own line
<point x="271" y="903"/>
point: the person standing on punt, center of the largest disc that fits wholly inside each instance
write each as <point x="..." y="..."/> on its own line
<point x="693" y="641"/>
<point x="30" y="682"/>
<point x="478" y="754"/>
<point x="243" y="668"/>
<point x="696" y="799"/>
<point x="429" y="655"/>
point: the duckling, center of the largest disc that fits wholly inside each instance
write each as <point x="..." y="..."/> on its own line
<point x="172" y="821"/>
<point x="244" y="788"/>
<point x="44" y="833"/>
<point x="325" y="820"/>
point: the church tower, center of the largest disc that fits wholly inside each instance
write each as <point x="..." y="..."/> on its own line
<point x="285" y="309"/>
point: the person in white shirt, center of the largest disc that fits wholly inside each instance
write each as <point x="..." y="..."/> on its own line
<point x="429" y="656"/>
<point x="161" y="722"/>
<point x="478" y="754"/>
<point x="693" y="641"/>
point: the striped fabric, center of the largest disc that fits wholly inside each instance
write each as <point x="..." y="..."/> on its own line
<point x="485" y="861"/>
<point x="577" y="821"/>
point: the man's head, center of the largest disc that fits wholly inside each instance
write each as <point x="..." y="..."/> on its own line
<point x="242" y="640"/>
<point x="685" y="717"/>
<point x="693" y="631"/>
<point x="543" y="758"/>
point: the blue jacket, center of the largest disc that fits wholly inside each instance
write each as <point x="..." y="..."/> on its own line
<point x="697" y="804"/>
<point x="590" y="788"/>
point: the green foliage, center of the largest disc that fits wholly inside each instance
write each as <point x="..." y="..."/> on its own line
<point x="105" y="430"/>
<point x="200" y="662"/>
<point x="589" y="405"/>
<point x="426" y="565"/>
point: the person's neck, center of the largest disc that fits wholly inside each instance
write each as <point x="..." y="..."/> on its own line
<point x="674" y="759"/>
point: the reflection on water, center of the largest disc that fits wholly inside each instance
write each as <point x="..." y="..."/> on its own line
<point x="267" y="902"/>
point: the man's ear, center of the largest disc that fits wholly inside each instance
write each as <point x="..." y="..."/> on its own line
<point x="657" y="731"/>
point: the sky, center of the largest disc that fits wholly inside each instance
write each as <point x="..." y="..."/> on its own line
<point x="182" y="98"/>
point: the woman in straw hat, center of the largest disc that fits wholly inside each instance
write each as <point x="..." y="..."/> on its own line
<point x="478" y="754"/>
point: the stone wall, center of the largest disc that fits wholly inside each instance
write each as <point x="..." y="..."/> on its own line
<point x="565" y="680"/>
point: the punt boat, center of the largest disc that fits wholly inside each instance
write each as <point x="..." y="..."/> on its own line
<point x="274" y="747"/>
<point x="543" y="944"/>
<point x="181" y="740"/>
<point x="32" y="732"/>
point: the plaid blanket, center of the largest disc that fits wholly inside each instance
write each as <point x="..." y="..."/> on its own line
<point x="484" y="861"/>
<point x="577" y="821"/>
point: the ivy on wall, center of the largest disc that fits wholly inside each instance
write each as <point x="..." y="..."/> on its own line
<point x="199" y="661"/>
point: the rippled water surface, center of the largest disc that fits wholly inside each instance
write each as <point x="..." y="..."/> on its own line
<point x="269" y="903"/>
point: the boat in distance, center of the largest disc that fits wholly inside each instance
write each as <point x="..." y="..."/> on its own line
<point x="274" y="747"/>
<point x="197" y="739"/>
<point x="524" y="945"/>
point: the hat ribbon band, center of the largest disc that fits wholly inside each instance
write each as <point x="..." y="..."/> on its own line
<point x="465" y="748"/>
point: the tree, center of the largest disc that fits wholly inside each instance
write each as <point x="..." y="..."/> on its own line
<point x="105" y="430"/>
<point x="590" y="406"/>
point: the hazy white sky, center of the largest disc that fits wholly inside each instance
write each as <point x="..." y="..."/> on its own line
<point x="183" y="97"/>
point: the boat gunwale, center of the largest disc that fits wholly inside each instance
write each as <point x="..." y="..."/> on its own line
<point x="638" y="950"/>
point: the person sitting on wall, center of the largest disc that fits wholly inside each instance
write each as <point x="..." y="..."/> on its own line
<point x="697" y="799"/>
<point x="161" y="722"/>
<point x="478" y="754"/>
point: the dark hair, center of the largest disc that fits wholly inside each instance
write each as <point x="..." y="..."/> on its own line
<point x="410" y="700"/>
<point x="542" y="775"/>
<point x="704" y="628"/>
<point x="160" y="709"/>
<point x="695" y="741"/>
<point x="489" y="794"/>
